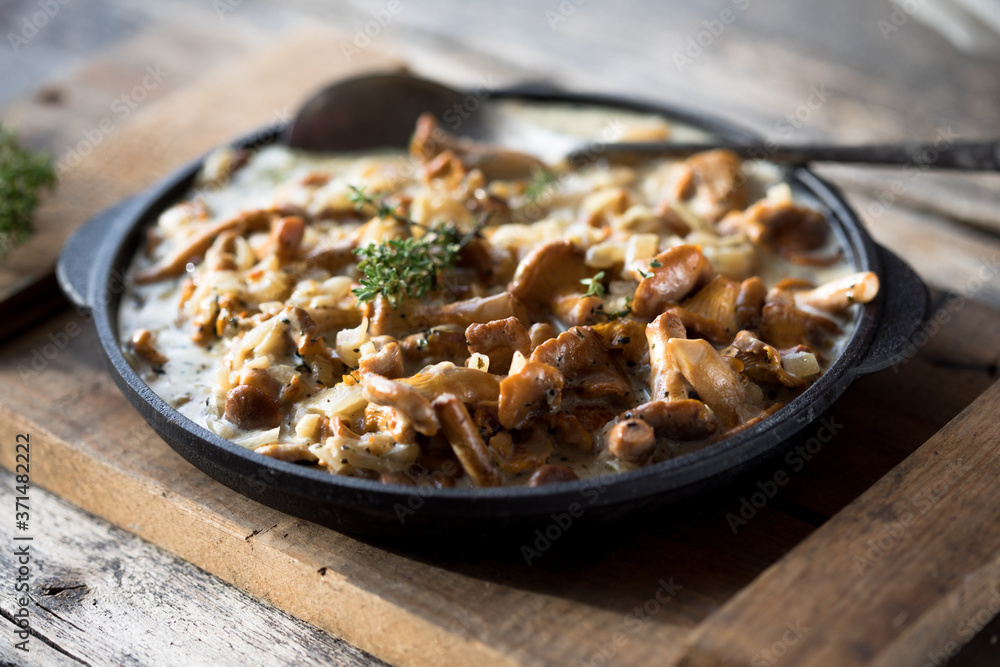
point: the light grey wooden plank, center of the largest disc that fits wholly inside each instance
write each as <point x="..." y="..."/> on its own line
<point x="109" y="598"/>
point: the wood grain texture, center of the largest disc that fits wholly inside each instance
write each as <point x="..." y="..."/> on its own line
<point x="95" y="581"/>
<point x="916" y="555"/>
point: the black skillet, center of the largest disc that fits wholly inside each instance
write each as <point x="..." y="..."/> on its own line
<point x="94" y="261"/>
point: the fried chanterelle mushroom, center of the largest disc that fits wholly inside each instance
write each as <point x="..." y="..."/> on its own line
<point x="463" y="314"/>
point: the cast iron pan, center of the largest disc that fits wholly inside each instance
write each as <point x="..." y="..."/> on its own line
<point x="93" y="263"/>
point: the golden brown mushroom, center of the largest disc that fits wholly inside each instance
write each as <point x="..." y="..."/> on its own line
<point x="535" y="388"/>
<point x="387" y="361"/>
<point x="143" y="344"/>
<point x="714" y="380"/>
<point x="665" y="379"/>
<point x="684" y="419"/>
<point x="430" y="140"/>
<point x="403" y="398"/>
<point x="499" y="340"/>
<point x="585" y="363"/>
<point x="250" y="408"/>
<point x="631" y="440"/>
<point x="675" y="273"/>
<point x="840" y="294"/>
<point x="464" y="438"/>
<point x="552" y="474"/>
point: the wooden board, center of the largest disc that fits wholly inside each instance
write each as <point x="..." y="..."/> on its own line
<point x="916" y="556"/>
<point x="79" y="599"/>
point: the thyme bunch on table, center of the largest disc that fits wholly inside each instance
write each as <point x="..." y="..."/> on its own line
<point x="22" y="175"/>
<point x="406" y="268"/>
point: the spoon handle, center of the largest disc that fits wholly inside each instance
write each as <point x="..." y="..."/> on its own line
<point x="970" y="155"/>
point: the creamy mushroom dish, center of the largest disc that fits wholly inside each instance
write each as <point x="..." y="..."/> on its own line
<point x="461" y="314"/>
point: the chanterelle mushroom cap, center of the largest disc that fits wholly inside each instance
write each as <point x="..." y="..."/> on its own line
<point x="549" y="271"/>
<point x="681" y="270"/>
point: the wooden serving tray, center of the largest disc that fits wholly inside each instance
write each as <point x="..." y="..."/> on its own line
<point x="871" y="545"/>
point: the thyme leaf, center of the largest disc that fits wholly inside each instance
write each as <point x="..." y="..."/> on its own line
<point x="541" y="181"/>
<point x="406" y="268"/>
<point x="594" y="285"/>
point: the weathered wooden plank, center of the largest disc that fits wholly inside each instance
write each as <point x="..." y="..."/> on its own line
<point x="945" y="254"/>
<point x="916" y="553"/>
<point x="90" y="581"/>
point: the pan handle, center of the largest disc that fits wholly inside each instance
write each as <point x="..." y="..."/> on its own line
<point x="79" y="254"/>
<point x="905" y="306"/>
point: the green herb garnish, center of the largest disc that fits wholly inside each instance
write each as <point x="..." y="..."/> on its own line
<point x="406" y="268"/>
<point x="361" y="199"/>
<point x="541" y="180"/>
<point x="22" y="175"/>
<point x="594" y="285"/>
<point x="615" y="314"/>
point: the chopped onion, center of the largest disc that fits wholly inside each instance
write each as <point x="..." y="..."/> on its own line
<point x="802" y="364"/>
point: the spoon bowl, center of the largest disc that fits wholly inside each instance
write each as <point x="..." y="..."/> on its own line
<point x="380" y="110"/>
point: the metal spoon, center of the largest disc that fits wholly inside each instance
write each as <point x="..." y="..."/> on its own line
<point x="380" y="110"/>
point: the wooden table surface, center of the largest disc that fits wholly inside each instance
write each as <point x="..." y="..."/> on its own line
<point x="810" y="71"/>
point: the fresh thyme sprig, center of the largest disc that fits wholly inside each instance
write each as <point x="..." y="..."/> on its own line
<point x="22" y="175"/>
<point x="406" y="268"/>
<point x="594" y="285"/>
<point x="541" y="181"/>
<point x="361" y="199"/>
